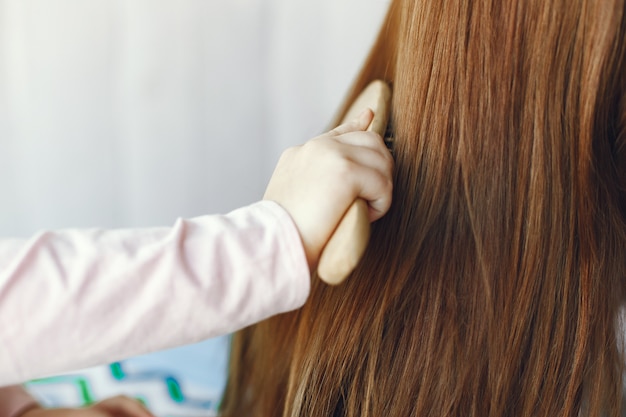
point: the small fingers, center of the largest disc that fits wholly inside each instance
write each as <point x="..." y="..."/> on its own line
<point x="370" y="164"/>
<point x="377" y="160"/>
<point x="380" y="206"/>
<point x="372" y="172"/>
<point x="369" y="140"/>
<point x="376" y="189"/>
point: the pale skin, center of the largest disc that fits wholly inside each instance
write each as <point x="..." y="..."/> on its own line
<point x="318" y="181"/>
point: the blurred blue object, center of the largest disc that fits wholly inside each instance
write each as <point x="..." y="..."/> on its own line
<point x="187" y="381"/>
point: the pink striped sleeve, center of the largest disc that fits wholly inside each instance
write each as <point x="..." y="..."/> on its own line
<point x="76" y="298"/>
<point x="14" y="400"/>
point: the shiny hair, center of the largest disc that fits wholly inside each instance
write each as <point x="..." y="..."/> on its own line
<point x="493" y="287"/>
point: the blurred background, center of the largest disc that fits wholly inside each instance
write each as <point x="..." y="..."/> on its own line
<point x="130" y="113"/>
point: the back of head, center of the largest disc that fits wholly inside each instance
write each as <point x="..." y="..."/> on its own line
<point x="492" y="286"/>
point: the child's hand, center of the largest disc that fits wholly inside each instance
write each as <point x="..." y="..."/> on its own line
<point x="119" y="406"/>
<point x="318" y="181"/>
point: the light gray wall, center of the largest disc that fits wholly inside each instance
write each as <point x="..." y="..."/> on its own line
<point x="118" y="113"/>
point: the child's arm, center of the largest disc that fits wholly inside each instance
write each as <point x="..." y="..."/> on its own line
<point x="15" y="401"/>
<point x="77" y="298"/>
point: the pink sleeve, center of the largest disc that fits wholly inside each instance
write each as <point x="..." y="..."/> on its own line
<point x="77" y="298"/>
<point x="14" y="400"/>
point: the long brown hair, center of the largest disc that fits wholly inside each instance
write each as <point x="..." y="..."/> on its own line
<point x="493" y="285"/>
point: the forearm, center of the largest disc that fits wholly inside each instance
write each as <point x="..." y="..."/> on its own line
<point x="74" y="299"/>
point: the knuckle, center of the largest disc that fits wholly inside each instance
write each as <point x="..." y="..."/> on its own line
<point x="344" y="167"/>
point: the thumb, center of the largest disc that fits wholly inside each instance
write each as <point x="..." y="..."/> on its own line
<point x="361" y="122"/>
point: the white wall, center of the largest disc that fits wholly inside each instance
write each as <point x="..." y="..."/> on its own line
<point x="118" y="113"/>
